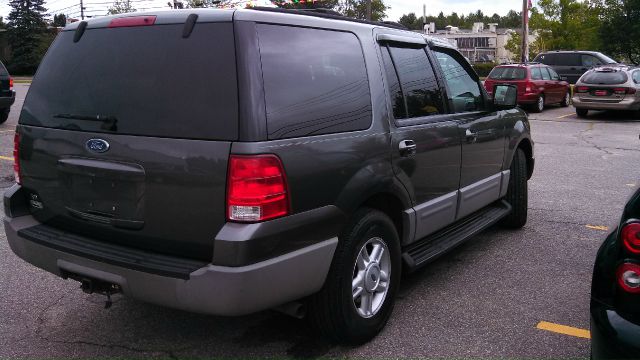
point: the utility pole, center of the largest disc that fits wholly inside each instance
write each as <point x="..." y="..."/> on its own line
<point x="524" y="56"/>
<point x="369" y="10"/>
<point x="81" y="10"/>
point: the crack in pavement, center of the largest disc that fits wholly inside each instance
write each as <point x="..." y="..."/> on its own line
<point x="582" y="136"/>
<point x="40" y="319"/>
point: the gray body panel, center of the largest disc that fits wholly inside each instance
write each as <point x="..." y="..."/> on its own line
<point x="328" y="178"/>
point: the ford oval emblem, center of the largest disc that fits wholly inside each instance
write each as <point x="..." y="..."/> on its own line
<point x="97" y="145"/>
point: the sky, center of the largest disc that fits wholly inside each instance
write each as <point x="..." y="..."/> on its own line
<point x="398" y="7"/>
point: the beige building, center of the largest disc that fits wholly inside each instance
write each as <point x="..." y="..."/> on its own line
<point x="479" y="44"/>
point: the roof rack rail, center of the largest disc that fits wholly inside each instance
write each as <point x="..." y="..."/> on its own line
<point x="329" y="14"/>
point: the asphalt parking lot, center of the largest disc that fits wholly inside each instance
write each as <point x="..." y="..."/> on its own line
<point x="503" y="294"/>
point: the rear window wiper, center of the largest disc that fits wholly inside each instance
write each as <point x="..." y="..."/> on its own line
<point x="108" y="122"/>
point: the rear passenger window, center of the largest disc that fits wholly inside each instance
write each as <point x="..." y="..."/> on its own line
<point x="545" y="74"/>
<point x="536" y="74"/>
<point x="418" y="82"/>
<point x="393" y="83"/>
<point x="315" y="81"/>
<point x="463" y="90"/>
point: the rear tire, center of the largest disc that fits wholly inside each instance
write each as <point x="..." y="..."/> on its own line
<point x="351" y="307"/>
<point x="539" y="105"/>
<point x="566" y="100"/>
<point x="517" y="192"/>
<point x="582" y="112"/>
<point x="4" y="115"/>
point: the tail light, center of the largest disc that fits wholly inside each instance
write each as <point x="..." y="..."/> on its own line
<point x="623" y="91"/>
<point x="630" y="236"/>
<point x="529" y="87"/>
<point x="10" y="82"/>
<point x="16" y="157"/>
<point x="256" y="188"/>
<point x="582" y="89"/>
<point x="628" y="276"/>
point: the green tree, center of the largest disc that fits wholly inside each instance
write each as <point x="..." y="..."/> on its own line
<point x="121" y="7"/>
<point x="620" y="30"/>
<point x="514" y="45"/>
<point x="59" y="20"/>
<point x="26" y="30"/>
<point x="321" y="4"/>
<point x="567" y="24"/>
<point x="357" y="9"/>
<point x="410" y="21"/>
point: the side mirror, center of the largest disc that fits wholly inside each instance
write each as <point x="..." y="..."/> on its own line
<point x="505" y="97"/>
<point x="563" y="78"/>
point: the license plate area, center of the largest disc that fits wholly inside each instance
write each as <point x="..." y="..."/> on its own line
<point x="104" y="192"/>
<point x="601" y="93"/>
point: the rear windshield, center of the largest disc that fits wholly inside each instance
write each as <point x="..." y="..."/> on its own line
<point x="605" y="78"/>
<point x="146" y="80"/>
<point x="3" y="70"/>
<point x="508" y="73"/>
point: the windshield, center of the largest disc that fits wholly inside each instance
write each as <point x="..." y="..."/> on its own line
<point x="508" y="73"/>
<point x="145" y="80"/>
<point x="607" y="60"/>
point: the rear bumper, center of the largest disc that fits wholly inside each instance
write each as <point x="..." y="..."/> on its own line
<point x="210" y="289"/>
<point x="612" y="336"/>
<point x="7" y="101"/>
<point x="626" y="104"/>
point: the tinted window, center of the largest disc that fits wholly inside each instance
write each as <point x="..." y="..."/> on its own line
<point x="554" y="75"/>
<point x="590" y="60"/>
<point x="315" y="81"/>
<point x="636" y="77"/>
<point x="569" y="59"/>
<point x="149" y="78"/>
<point x="463" y="90"/>
<point x="605" y="77"/>
<point x="536" y="74"/>
<point x="418" y="81"/>
<point x="545" y="74"/>
<point x="549" y="59"/>
<point x="508" y="73"/>
<point x="393" y="84"/>
<point x="3" y="70"/>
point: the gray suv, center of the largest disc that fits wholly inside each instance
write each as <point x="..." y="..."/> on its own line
<point x="570" y="65"/>
<point x="227" y="162"/>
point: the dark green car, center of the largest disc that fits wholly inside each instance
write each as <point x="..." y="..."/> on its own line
<point x="615" y="290"/>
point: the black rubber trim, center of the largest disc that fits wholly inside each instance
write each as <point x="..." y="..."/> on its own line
<point x="435" y="245"/>
<point x="118" y="255"/>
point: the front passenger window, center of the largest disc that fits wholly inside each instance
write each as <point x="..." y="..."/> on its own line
<point x="464" y="92"/>
<point x="590" y="61"/>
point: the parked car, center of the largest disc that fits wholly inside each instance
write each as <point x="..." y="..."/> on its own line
<point x="572" y="64"/>
<point x="7" y="95"/>
<point x="538" y="84"/>
<point x="615" y="289"/>
<point x="297" y="161"/>
<point x="608" y="88"/>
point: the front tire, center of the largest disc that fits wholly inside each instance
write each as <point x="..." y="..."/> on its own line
<point x="517" y="192"/>
<point x="358" y="296"/>
<point x="582" y="112"/>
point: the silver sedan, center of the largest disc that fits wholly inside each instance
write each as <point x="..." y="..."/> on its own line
<point x="608" y="88"/>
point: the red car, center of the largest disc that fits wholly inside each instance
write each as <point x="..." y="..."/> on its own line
<point x="538" y="84"/>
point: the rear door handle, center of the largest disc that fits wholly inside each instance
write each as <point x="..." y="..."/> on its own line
<point x="407" y="148"/>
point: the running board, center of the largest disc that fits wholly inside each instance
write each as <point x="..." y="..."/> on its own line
<point x="437" y="244"/>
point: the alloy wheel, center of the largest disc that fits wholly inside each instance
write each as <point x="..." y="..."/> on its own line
<point x="371" y="276"/>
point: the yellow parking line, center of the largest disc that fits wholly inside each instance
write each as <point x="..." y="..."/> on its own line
<point x="565" y="330"/>
<point x="598" y="227"/>
<point x="6" y="158"/>
<point x="564" y="116"/>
